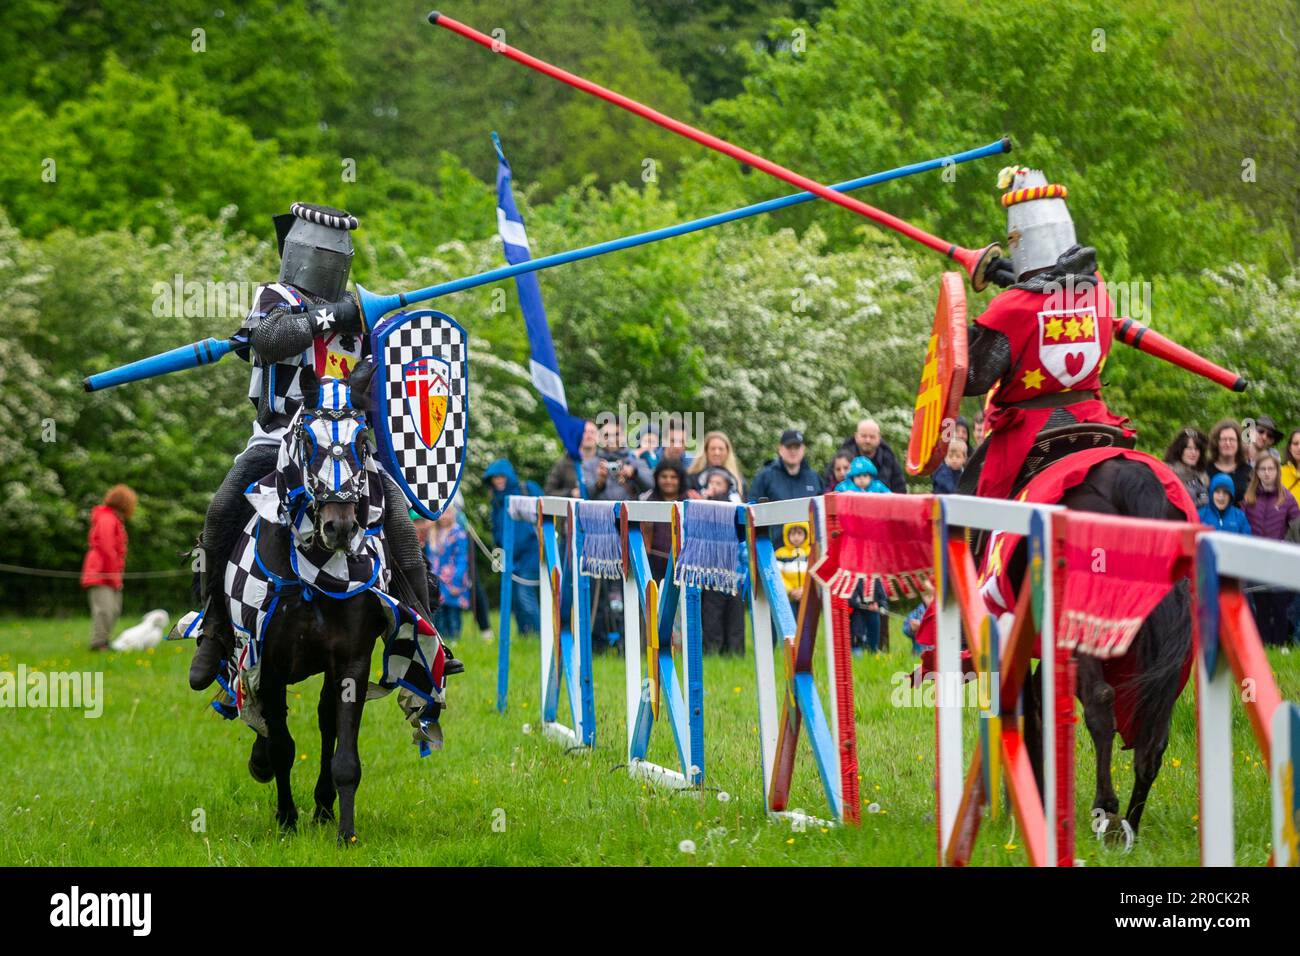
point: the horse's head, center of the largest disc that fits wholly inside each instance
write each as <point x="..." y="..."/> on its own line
<point x="332" y="443"/>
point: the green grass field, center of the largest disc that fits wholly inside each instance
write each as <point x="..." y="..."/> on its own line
<point x="159" y="779"/>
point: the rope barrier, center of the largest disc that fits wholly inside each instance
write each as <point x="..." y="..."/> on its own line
<point x="496" y="556"/>
<point x="54" y="573"/>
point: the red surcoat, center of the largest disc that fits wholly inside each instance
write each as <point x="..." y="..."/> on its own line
<point x="1059" y="342"/>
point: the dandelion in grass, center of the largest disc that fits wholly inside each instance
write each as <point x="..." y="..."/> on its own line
<point x="723" y="796"/>
<point x="873" y="808"/>
<point x="687" y="846"/>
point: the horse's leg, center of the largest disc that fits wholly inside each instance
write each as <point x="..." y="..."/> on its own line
<point x="346" y="765"/>
<point x="1098" y="699"/>
<point x="1164" y="642"/>
<point x="1147" y="758"/>
<point x="276" y="711"/>
<point x="327" y="715"/>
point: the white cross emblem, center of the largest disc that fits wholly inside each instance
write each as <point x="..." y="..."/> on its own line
<point x="326" y="319"/>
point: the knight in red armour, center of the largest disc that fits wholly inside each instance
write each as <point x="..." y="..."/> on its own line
<point x="1041" y="344"/>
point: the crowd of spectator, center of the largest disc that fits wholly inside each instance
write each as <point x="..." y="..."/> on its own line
<point x="1242" y="480"/>
<point x="1246" y="480"/>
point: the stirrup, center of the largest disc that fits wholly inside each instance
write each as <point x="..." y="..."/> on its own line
<point x="190" y="625"/>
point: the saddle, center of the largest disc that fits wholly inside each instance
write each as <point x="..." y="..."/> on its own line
<point x="1053" y="444"/>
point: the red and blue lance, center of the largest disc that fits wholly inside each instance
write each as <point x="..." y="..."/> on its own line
<point x="974" y="261"/>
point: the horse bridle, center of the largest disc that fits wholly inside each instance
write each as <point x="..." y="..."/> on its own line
<point x="338" y="450"/>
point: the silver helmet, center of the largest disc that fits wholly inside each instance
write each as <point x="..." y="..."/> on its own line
<point x="315" y="249"/>
<point x="1039" y="227"/>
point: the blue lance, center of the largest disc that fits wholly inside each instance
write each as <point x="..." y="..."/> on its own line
<point x="374" y="307"/>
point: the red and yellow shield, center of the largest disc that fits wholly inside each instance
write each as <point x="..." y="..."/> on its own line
<point x="943" y="379"/>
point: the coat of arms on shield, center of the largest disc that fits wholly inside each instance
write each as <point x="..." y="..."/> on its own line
<point x="1069" y="344"/>
<point x="420" y="393"/>
<point x="427" y="381"/>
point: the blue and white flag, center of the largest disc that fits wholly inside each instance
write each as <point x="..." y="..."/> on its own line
<point x="545" y="369"/>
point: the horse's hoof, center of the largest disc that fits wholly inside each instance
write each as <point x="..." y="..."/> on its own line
<point x="1127" y="834"/>
<point x="288" y="822"/>
<point x="1112" y="829"/>
<point x="260" y="774"/>
<point x="347" y="840"/>
<point x="259" y="762"/>
<point x="323" y="814"/>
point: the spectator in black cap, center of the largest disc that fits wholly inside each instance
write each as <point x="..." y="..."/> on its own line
<point x="786" y="476"/>
<point x="1265" y="438"/>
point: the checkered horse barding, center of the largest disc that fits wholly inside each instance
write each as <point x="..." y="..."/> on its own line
<point x="279" y="556"/>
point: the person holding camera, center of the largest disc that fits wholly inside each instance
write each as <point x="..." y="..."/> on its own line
<point x="614" y="473"/>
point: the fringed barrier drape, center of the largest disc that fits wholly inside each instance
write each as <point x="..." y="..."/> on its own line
<point x="886" y="537"/>
<point x="602" y="548"/>
<point x="1116" y="572"/>
<point x="522" y="508"/>
<point x="709" y="554"/>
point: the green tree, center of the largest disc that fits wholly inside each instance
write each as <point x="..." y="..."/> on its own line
<point x="882" y="83"/>
<point x="272" y="63"/>
<point x="106" y="160"/>
<point x="419" y="90"/>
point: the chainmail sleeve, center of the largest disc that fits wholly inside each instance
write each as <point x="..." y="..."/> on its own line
<point x="989" y="354"/>
<point x="281" y="334"/>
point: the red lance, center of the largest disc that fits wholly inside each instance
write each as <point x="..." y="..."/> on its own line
<point x="974" y="261"/>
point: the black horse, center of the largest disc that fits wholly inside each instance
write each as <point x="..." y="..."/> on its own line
<point x="1129" y="488"/>
<point x="314" y="628"/>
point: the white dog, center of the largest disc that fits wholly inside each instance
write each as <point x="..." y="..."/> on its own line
<point x="148" y="633"/>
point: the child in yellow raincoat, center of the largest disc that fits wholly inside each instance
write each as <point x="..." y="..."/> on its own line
<point x="792" y="559"/>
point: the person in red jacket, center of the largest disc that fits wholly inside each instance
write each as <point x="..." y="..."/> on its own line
<point x="101" y="571"/>
<point x="1042" y="342"/>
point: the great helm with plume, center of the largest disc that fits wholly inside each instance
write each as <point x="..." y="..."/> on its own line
<point x="1039" y="227"/>
<point x="315" y="249"/>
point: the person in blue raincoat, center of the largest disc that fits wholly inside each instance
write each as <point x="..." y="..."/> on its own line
<point x="862" y="477"/>
<point x="1219" y="512"/>
<point x="501" y="478"/>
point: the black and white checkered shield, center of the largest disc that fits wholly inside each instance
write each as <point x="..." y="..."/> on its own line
<point x="420" y="393"/>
